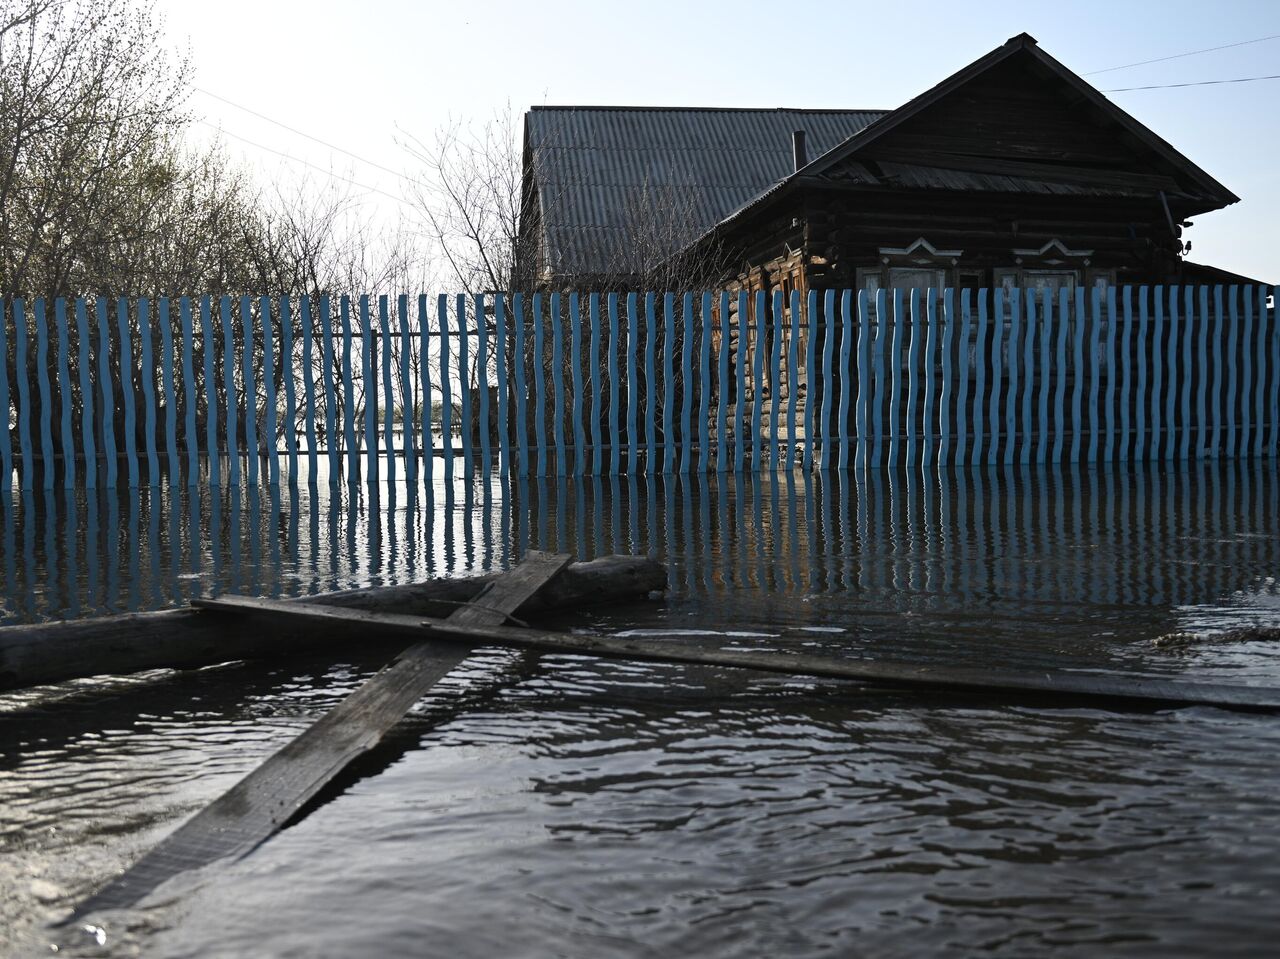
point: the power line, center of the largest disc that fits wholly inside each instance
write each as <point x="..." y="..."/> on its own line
<point x="314" y="139"/>
<point x="293" y="159"/>
<point x="1198" y="83"/>
<point x="1178" y="56"/>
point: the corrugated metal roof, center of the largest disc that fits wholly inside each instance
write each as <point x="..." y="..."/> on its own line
<point x="622" y="187"/>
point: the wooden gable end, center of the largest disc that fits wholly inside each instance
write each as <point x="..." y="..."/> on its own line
<point x="1017" y="127"/>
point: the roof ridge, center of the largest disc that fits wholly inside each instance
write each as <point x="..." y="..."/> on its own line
<point x="704" y="109"/>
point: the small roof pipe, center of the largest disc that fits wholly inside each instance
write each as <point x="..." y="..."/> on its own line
<point x="797" y="149"/>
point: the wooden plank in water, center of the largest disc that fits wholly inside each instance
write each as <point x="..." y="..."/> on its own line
<point x="262" y="802"/>
<point x="1059" y="686"/>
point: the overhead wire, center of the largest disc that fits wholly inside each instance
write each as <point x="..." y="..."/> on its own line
<point x="308" y="136"/>
<point x="306" y="163"/>
<point x="1179" y="56"/>
<point x="1197" y="83"/>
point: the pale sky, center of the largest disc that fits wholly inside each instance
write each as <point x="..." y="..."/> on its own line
<point x="354" y="74"/>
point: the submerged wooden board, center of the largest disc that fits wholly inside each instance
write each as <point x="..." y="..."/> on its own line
<point x="1058" y="687"/>
<point x="39" y="653"/>
<point x="258" y="805"/>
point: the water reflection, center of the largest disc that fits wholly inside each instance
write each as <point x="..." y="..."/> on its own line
<point x="1026" y="540"/>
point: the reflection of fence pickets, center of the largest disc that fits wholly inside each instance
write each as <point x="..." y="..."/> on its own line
<point x="260" y="389"/>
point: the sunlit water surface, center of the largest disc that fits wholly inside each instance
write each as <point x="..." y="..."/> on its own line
<point x="561" y="806"/>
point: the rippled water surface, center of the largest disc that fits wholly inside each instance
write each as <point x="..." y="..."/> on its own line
<point x="557" y="805"/>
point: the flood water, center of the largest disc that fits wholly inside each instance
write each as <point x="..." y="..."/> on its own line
<point x="560" y="806"/>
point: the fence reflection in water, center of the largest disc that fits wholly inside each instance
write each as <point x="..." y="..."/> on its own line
<point x="1059" y="539"/>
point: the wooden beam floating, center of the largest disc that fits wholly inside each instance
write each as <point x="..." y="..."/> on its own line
<point x="1080" y="689"/>
<point x="262" y="802"/>
<point x="31" y="655"/>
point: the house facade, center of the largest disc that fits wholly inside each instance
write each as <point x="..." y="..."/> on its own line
<point x="1012" y="172"/>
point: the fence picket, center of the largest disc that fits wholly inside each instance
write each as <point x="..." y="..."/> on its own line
<point x="828" y="380"/>
<point x="25" y="413"/>
<point x="46" y="395"/>
<point x="482" y="383"/>
<point x="1163" y="344"/>
<point x="270" y="423"/>
<point x="896" y="387"/>
<point x="928" y="451"/>
<point x="521" y="386"/>
<point x="846" y="354"/>
<point x="388" y="397"/>
<point x="423" y="396"/>
<point x="126" y="368"/>
<point x="146" y="377"/>
<point x="288" y="383"/>
<point x="369" y="386"/>
<point x="1060" y="369"/>
<point x="597" y="390"/>
<point x="1274" y="359"/>
<point x="1184" y="446"/>
<point x="465" y="417"/>
<point x="251" y="447"/>
<point x="1126" y="386"/>
<point x="1045" y="369"/>
<point x="1260" y="358"/>
<point x="704" y="384"/>
<point x="6" y="444"/>
<point x="1227" y="390"/>
<point x="500" y="369"/>
<point x="1095" y="364"/>
<point x="861" y="415"/>
<point x="1143" y="398"/>
<point x="946" y="401"/>
<point x="1247" y="423"/>
<point x="446" y="388"/>
<point x="722" y="403"/>
<point x="633" y="384"/>
<point x="1217" y="396"/>
<point x="686" y="386"/>
<point x="650" y="384"/>
<point x="1109" y="410"/>
<point x="307" y="319"/>
<point x="328" y="375"/>
<point x="65" y="394"/>
<point x="557" y="385"/>
<point x="878" y="399"/>
<point x="1028" y="373"/>
<point x="669" y="383"/>
<point x="914" y="365"/>
<point x="351" y="449"/>
<point x="540" y="384"/>
<point x="1013" y="357"/>
<point x="578" y="406"/>
<point x="211" y="406"/>
<point x="999" y="345"/>
<point x="615" y="421"/>
<point x="1079" y="316"/>
<point x="1202" y="378"/>
<point x="167" y="384"/>
<point x="740" y="382"/>
<point x="962" y="393"/>
<point x="108" y="397"/>
<point x="811" y="370"/>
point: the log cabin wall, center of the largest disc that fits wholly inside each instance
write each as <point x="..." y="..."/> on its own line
<point x="842" y="239"/>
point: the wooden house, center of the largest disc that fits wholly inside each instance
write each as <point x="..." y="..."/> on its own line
<point x="1014" y="171"/>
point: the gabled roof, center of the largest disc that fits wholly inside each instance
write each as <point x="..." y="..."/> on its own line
<point x="678" y="170"/>
<point x="620" y="188"/>
<point x="1201" y="191"/>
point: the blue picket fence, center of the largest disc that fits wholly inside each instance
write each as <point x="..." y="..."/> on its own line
<point x="272" y="389"/>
